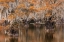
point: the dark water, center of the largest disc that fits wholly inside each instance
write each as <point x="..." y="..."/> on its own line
<point x="34" y="36"/>
<point x="13" y="39"/>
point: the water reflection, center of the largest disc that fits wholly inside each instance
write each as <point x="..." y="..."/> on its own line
<point x="36" y="36"/>
<point x="13" y="39"/>
<point x="48" y="38"/>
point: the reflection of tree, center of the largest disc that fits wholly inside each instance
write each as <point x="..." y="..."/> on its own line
<point x="13" y="39"/>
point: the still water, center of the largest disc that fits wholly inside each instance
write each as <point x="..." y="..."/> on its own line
<point x="13" y="39"/>
<point x="33" y="36"/>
